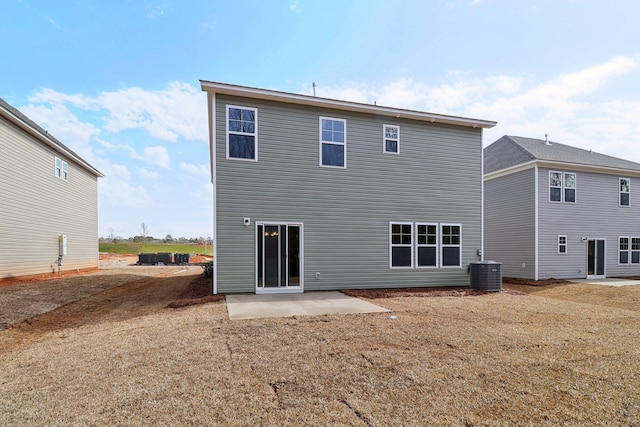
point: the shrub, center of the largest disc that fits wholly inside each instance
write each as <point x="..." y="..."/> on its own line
<point x="208" y="269"/>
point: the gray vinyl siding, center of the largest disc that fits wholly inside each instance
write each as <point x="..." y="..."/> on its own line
<point x="345" y="212"/>
<point x="595" y="214"/>
<point x="509" y="223"/>
<point x="36" y="207"/>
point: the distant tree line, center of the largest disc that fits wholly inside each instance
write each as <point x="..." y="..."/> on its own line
<point x="144" y="237"/>
<point x="150" y="239"/>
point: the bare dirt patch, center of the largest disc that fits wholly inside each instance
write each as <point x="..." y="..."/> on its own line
<point x="490" y="359"/>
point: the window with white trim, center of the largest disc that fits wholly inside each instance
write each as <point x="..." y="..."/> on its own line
<point x="62" y="169"/>
<point x="451" y="247"/>
<point x="623" y="250"/>
<point x="333" y="142"/>
<point x="625" y="191"/>
<point x="569" y="187"/>
<point x="242" y="133"/>
<point x="391" y="139"/>
<point x="562" y="244"/>
<point x="635" y="250"/>
<point x="401" y="244"/>
<point x="427" y="244"/>
<point x="562" y="187"/>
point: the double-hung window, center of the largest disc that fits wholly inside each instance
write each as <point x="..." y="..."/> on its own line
<point x="635" y="250"/>
<point x="391" y="139"/>
<point x="401" y="247"/>
<point x="625" y="191"/>
<point x="62" y="169"/>
<point x="562" y="187"/>
<point x="451" y="247"/>
<point x="569" y="187"/>
<point x="562" y="244"/>
<point x="333" y="142"/>
<point x="427" y="244"/>
<point x="623" y="250"/>
<point x="242" y="133"/>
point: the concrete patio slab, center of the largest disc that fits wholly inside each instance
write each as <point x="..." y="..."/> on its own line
<point x="249" y="306"/>
<point x="609" y="282"/>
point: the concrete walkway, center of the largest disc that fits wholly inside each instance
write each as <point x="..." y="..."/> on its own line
<point x="609" y="282"/>
<point x="303" y="304"/>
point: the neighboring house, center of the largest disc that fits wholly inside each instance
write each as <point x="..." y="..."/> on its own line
<point x="556" y="211"/>
<point x="48" y="201"/>
<point x="314" y="194"/>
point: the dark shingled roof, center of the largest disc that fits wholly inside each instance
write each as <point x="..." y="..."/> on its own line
<point x="53" y="142"/>
<point x="511" y="151"/>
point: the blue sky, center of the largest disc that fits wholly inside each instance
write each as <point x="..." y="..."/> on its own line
<point x="118" y="81"/>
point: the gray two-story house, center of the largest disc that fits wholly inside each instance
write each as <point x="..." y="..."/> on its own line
<point x="316" y="194"/>
<point x="48" y="201"/>
<point x="556" y="211"/>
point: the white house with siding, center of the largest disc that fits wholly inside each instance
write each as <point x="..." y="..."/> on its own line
<point x="319" y="194"/>
<point x="556" y="211"/>
<point x="48" y="201"/>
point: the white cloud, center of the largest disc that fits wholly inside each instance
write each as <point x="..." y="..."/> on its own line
<point x="115" y="188"/>
<point x="177" y="111"/>
<point x="147" y="174"/>
<point x="198" y="170"/>
<point x="574" y="108"/>
<point x="64" y="126"/>
<point x="294" y="6"/>
<point x="158" y="156"/>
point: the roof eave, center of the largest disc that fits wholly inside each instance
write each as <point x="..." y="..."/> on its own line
<point x="271" y="95"/>
<point x="560" y="165"/>
<point x="48" y="141"/>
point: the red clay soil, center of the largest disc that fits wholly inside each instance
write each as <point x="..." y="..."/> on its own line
<point x="10" y="281"/>
<point x="412" y="292"/>
<point x="528" y="282"/>
<point x="198" y="292"/>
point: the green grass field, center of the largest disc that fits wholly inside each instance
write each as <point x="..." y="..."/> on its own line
<point x="136" y="248"/>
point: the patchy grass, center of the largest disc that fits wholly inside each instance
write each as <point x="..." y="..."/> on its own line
<point x="136" y="248"/>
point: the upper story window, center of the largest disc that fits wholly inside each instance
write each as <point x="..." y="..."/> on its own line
<point x="625" y="191"/>
<point x="391" y="139"/>
<point x="333" y="142"/>
<point x="62" y="169"/>
<point x="562" y="187"/>
<point x="242" y="133"/>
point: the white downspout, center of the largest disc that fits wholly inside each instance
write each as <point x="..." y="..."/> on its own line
<point x="211" y="98"/>
<point x="536" y="213"/>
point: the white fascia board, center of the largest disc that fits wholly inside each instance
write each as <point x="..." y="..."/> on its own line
<point x="588" y="168"/>
<point x="510" y="170"/>
<point x="292" y="98"/>
<point x="560" y="165"/>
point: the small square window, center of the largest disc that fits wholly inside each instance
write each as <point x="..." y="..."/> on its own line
<point x="562" y="244"/>
<point x="61" y="169"/>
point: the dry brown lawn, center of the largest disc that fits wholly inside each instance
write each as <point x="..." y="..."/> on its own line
<point x="561" y="355"/>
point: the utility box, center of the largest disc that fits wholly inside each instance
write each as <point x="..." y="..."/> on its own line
<point x="62" y="244"/>
<point x="486" y="276"/>
<point x="181" y="258"/>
